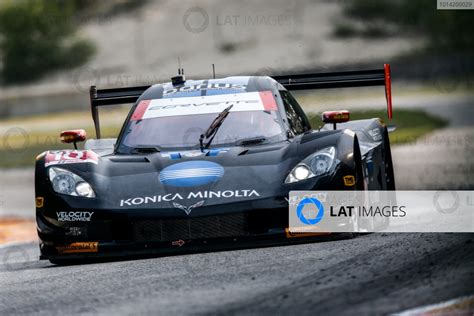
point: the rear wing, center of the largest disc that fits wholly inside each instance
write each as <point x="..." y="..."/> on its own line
<point x="101" y="97"/>
<point x="344" y="79"/>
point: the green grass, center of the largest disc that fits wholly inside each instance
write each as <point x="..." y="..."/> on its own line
<point x="411" y="124"/>
<point x="20" y="151"/>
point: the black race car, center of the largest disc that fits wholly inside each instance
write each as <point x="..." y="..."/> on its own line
<point x="204" y="163"/>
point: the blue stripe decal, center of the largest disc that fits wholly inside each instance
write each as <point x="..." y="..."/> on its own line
<point x="191" y="173"/>
<point x="175" y="155"/>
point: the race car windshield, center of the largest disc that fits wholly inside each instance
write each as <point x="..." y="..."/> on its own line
<point x="171" y="123"/>
<point x="184" y="131"/>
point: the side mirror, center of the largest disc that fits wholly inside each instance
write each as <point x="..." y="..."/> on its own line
<point x="336" y="117"/>
<point x="73" y="136"/>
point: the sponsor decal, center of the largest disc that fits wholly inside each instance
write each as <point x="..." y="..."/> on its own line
<point x="74" y="216"/>
<point x="193" y="153"/>
<point x="194" y="105"/>
<point x="70" y="156"/>
<point x="145" y="200"/>
<point x="349" y="180"/>
<point x="301" y="233"/>
<point x="76" y="231"/>
<point x="191" y="173"/>
<point x="178" y="243"/>
<point x="188" y="209"/>
<point x="375" y="134"/>
<point x="206" y="87"/>
<point x="79" y="247"/>
<point x="39" y="201"/>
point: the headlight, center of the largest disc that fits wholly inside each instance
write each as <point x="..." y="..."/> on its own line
<point x="66" y="182"/>
<point x="314" y="165"/>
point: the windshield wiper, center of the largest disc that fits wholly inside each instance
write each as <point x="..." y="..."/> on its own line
<point x="145" y="150"/>
<point x="251" y="141"/>
<point x="213" y="128"/>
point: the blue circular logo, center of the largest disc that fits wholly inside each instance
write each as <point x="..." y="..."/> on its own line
<point x="310" y="221"/>
<point x="191" y="173"/>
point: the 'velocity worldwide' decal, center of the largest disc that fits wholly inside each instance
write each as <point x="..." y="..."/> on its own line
<point x="74" y="216"/>
<point x="171" y="197"/>
<point x="70" y="156"/>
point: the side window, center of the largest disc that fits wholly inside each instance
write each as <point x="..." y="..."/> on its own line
<point x="296" y="118"/>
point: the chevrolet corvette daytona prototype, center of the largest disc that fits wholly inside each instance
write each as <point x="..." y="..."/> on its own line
<point x="202" y="163"/>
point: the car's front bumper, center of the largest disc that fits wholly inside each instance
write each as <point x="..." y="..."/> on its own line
<point x="137" y="232"/>
<point x="117" y="232"/>
<point x="118" y="249"/>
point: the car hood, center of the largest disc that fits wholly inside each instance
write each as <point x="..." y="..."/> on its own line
<point x="180" y="179"/>
<point x="219" y="176"/>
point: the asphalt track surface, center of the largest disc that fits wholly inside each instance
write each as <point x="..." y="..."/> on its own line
<point x="375" y="274"/>
<point x="371" y="274"/>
